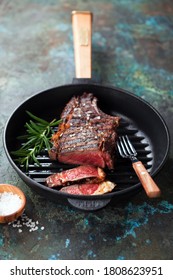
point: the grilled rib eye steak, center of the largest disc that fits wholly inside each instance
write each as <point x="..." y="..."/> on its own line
<point x="84" y="172"/>
<point x="86" y="134"/>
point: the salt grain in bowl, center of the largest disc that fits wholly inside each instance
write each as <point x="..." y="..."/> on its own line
<point x="12" y="203"/>
<point x="9" y="203"/>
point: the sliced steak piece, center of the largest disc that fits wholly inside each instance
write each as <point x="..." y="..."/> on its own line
<point x="85" y="172"/>
<point x="89" y="189"/>
<point x="86" y="134"/>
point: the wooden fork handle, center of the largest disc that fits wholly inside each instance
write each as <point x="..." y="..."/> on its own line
<point x="146" y="180"/>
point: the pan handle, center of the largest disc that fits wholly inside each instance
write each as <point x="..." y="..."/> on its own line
<point x="82" y="30"/>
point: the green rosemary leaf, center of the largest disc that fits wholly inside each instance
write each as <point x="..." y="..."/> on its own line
<point x="37" y="138"/>
<point x="55" y="122"/>
<point x="28" y="144"/>
<point x="35" y="126"/>
<point x="35" y="159"/>
<point x="47" y="143"/>
<point x="26" y="163"/>
<point x="22" y="137"/>
<point x="37" y="118"/>
<point x="30" y="130"/>
<point x="19" y="153"/>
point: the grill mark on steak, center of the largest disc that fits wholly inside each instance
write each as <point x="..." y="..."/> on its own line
<point x="78" y="147"/>
<point x="86" y="135"/>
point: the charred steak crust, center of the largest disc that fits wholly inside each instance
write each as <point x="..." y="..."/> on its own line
<point x="86" y="135"/>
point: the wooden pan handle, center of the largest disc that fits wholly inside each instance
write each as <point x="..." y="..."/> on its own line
<point x="147" y="182"/>
<point x="82" y="30"/>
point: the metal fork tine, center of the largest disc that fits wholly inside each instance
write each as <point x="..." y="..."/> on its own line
<point x="121" y="148"/>
<point x="130" y="145"/>
<point x="118" y="146"/>
<point x="125" y="147"/>
<point x="126" y="144"/>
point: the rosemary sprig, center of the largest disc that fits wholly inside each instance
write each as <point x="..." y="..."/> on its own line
<point x="37" y="138"/>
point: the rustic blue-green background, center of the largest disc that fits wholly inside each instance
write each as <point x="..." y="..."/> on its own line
<point x="132" y="49"/>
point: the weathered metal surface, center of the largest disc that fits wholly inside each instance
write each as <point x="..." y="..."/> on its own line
<point x="132" y="49"/>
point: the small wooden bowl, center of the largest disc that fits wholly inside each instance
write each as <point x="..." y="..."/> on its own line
<point x="15" y="190"/>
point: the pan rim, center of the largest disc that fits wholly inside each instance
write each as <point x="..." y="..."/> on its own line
<point x="87" y="197"/>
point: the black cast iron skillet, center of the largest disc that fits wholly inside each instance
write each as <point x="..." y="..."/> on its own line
<point x="139" y="120"/>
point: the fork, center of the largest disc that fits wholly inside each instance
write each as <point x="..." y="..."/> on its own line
<point x="126" y="150"/>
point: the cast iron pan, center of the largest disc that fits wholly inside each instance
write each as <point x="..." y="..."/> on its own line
<point x="139" y="120"/>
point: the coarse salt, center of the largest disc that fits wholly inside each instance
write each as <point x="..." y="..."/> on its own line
<point x="25" y="221"/>
<point x="9" y="203"/>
